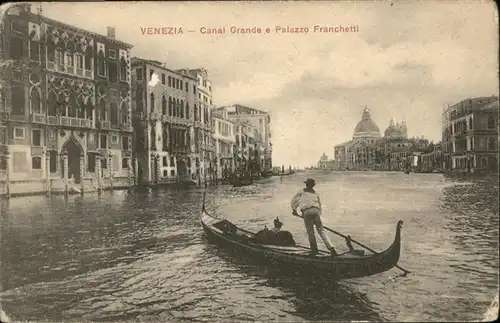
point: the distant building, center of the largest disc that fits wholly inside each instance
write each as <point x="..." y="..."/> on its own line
<point x="327" y="164"/>
<point x="225" y="144"/>
<point x="164" y="104"/>
<point x="359" y="153"/>
<point x="261" y="121"/>
<point x="205" y="154"/>
<point x="470" y="135"/>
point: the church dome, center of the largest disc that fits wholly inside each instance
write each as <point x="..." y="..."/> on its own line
<point x="366" y="127"/>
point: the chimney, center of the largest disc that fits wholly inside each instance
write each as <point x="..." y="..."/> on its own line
<point x="111" y="32"/>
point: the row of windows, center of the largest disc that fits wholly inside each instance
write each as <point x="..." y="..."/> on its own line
<point x="172" y="81"/>
<point x="54" y="157"/>
<point x="36" y="138"/>
<point x="80" y="64"/>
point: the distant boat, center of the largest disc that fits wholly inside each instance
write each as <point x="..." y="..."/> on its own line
<point x="241" y="182"/>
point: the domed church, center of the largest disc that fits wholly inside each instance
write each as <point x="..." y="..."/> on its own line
<point x="366" y="128"/>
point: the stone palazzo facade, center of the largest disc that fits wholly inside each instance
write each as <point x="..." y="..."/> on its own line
<point x="65" y="106"/>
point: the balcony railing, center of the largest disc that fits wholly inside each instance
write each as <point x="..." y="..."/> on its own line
<point x="72" y="70"/>
<point x="126" y="127"/>
<point x="75" y="122"/>
<point x="38" y="118"/>
<point x="64" y="121"/>
<point x="104" y="125"/>
<point x="180" y="149"/>
<point x="176" y="120"/>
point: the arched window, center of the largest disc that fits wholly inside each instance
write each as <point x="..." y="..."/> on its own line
<point x="187" y="110"/>
<point x="152" y="102"/>
<point x="90" y="109"/>
<point x="163" y="105"/>
<point x="62" y="104"/>
<point x="36" y="106"/>
<point x="124" y="113"/>
<point x="178" y="107"/>
<point x="113" y="113"/>
<point x="80" y="107"/>
<point x="172" y="161"/>
<point x="491" y="122"/>
<point x="196" y="113"/>
<point x="72" y="107"/>
<point x="491" y="144"/>
<point x="470" y="123"/>
<point x="52" y="104"/>
<point x="123" y="70"/>
<point x="139" y="100"/>
<point x="170" y="105"/>
<point x="36" y="162"/>
<point x="101" y="65"/>
<point x="181" y="107"/>
<point x="124" y="163"/>
<point x="102" y="110"/>
<point x="153" y="138"/>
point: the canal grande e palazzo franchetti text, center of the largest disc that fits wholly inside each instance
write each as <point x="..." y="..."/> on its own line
<point x="222" y="30"/>
<point x="93" y="116"/>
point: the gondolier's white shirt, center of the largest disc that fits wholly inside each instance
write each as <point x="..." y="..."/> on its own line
<point x="304" y="200"/>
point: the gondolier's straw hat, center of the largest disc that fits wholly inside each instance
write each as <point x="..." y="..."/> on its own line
<point x="310" y="181"/>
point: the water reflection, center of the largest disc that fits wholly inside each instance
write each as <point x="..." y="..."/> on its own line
<point x="313" y="298"/>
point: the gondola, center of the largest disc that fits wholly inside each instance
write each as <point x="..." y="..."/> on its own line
<point x="298" y="258"/>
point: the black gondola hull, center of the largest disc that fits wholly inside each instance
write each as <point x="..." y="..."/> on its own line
<point x="297" y="259"/>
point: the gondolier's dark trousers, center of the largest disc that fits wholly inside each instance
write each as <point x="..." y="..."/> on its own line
<point x="312" y="218"/>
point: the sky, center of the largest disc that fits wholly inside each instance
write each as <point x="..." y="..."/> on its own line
<point x="407" y="61"/>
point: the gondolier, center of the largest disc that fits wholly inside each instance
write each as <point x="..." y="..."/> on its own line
<point x="310" y="205"/>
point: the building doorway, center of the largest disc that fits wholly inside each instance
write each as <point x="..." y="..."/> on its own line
<point x="74" y="151"/>
<point x="492" y="163"/>
<point x="181" y="167"/>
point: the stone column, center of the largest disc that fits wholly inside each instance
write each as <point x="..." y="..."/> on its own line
<point x="47" y="170"/>
<point x="7" y="172"/>
<point x="157" y="169"/>
<point x="136" y="171"/>
<point x="65" y="171"/>
<point x="82" y="172"/>
<point x="98" y="158"/>
<point x="129" y="173"/>
<point x="110" y="167"/>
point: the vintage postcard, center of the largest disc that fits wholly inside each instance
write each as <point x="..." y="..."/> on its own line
<point x="249" y="161"/>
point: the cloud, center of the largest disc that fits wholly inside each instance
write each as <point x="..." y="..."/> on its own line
<point x="408" y="60"/>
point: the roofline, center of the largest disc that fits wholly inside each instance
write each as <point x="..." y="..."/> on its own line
<point x="46" y="19"/>
<point x="156" y="64"/>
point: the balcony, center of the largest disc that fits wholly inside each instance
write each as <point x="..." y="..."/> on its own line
<point x="126" y="127"/>
<point x="38" y="118"/>
<point x="104" y="125"/>
<point x="176" y="120"/>
<point x="75" y="122"/>
<point x="180" y="149"/>
<point x="71" y="70"/>
<point x="64" y="121"/>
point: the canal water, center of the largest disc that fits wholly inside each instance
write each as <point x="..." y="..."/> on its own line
<point x="142" y="255"/>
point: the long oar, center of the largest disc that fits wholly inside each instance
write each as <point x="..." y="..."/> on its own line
<point x="356" y="242"/>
